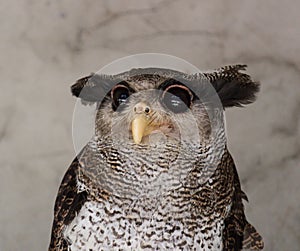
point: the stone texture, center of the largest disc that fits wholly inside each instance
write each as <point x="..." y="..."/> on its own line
<point x="46" y="45"/>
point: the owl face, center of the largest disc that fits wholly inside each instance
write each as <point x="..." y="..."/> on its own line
<point x="144" y="107"/>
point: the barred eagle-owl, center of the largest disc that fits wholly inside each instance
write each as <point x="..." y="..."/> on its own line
<point x="157" y="174"/>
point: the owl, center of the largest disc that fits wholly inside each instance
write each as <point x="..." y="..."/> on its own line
<point x="156" y="174"/>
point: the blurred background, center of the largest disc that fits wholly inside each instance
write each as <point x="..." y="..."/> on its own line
<point x="46" y="45"/>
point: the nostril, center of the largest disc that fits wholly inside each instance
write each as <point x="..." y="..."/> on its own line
<point x="141" y="108"/>
<point x="138" y="109"/>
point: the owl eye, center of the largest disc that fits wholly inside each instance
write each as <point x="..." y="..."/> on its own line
<point x="177" y="98"/>
<point x="119" y="96"/>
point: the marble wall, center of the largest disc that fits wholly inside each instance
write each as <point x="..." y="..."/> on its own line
<point x="46" y="45"/>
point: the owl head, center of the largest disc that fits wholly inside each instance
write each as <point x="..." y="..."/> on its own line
<point x="140" y="104"/>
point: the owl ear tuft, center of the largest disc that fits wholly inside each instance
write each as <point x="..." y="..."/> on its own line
<point x="92" y="88"/>
<point x="233" y="87"/>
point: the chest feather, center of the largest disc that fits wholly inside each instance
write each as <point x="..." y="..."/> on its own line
<point x="107" y="227"/>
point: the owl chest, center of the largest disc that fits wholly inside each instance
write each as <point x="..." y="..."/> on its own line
<point x="100" y="226"/>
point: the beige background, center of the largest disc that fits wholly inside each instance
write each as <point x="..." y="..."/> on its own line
<point x="46" y="45"/>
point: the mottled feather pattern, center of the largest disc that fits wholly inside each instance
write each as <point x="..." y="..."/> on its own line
<point x="67" y="205"/>
<point x="194" y="208"/>
<point x="124" y="196"/>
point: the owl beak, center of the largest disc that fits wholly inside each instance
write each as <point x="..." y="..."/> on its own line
<point x="139" y="128"/>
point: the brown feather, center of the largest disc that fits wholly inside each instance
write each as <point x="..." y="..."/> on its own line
<point x="233" y="87"/>
<point x="67" y="205"/>
<point x="238" y="233"/>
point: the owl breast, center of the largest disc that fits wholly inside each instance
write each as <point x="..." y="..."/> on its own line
<point x="142" y="226"/>
<point x="150" y="205"/>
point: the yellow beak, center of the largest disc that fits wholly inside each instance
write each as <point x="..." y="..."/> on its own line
<point x="139" y="128"/>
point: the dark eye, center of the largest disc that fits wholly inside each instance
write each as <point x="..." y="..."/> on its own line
<point x="177" y="99"/>
<point x="119" y="96"/>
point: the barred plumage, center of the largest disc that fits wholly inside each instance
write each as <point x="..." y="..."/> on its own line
<point x="166" y="189"/>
